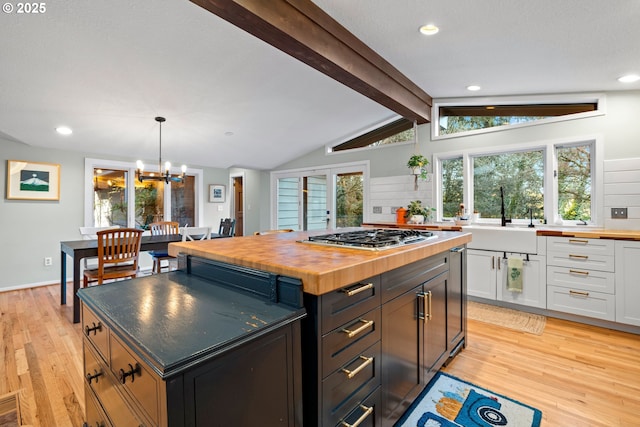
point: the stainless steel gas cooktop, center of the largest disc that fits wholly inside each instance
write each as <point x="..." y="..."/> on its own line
<point x="374" y="239"/>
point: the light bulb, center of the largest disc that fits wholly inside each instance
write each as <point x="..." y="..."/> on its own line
<point x="167" y="166"/>
<point x="140" y="165"/>
<point x="184" y="168"/>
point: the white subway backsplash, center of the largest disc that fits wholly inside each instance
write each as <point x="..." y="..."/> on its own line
<point x="397" y="191"/>
<point x="622" y="190"/>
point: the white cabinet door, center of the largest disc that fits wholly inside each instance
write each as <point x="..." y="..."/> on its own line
<point x="628" y="282"/>
<point x="534" y="287"/>
<point x="482" y="272"/>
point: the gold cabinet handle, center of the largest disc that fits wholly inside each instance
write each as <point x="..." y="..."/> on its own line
<point x="582" y="273"/>
<point x="367" y="361"/>
<point x="578" y="241"/>
<point x="366" y="324"/>
<point x="578" y="293"/>
<point x="367" y="411"/>
<point x="352" y="292"/>
<point x="428" y="299"/>
<point x="578" y="256"/>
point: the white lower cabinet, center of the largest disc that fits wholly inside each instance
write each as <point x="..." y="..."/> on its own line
<point x="628" y="282"/>
<point x="581" y="277"/>
<point x="487" y="278"/>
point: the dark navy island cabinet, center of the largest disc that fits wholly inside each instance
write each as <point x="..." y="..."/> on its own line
<point x="209" y="345"/>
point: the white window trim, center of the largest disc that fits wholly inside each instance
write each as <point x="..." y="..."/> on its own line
<point x="550" y="185"/>
<point x="599" y="98"/>
<point x="90" y="164"/>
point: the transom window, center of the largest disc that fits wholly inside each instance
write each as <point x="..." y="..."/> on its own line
<point x="475" y="115"/>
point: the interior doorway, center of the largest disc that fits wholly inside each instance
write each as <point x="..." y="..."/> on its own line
<point x="238" y="208"/>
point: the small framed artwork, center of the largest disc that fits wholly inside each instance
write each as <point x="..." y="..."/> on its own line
<point x="216" y="193"/>
<point x="32" y="180"/>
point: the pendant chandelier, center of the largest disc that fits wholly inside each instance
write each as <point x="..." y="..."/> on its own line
<point x="163" y="175"/>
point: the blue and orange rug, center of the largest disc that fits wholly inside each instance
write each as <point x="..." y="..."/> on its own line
<point x="451" y="402"/>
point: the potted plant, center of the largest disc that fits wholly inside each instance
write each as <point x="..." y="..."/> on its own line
<point x="418" y="214"/>
<point x="418" y="163"/>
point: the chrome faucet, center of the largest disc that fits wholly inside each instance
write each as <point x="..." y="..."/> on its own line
<point x="504" y="219"/>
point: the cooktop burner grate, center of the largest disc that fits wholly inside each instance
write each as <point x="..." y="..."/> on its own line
<point x="374" y="239"/>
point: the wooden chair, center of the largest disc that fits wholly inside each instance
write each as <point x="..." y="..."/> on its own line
<point x="195" y="233"/>
<point x="89" y="233"/>
<point x="158" y="229"/>
<point x="118" y="253"/>
<point x="281" y="230"/>
<point x="227" y="227"/>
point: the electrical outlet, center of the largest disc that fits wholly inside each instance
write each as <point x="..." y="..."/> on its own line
<point x="377" y="209"/>
<point x="48" y="261"/>
<point x="619" y="213"/>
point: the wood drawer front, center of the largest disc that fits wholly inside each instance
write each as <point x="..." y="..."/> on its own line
<point x="341" y="394"/>
<point x="367" y="412"/>
<point x="583" y="303"/>
<point x="341" y="306"/>
<point x="93" y="414"/>
<point x="585" y="280"/>
<point x="581" y="260"/>
<point x="580" y="245"/>
<point x="144" y="386"/>
<point x="96" y="332"/>
<point x="346" y="342"/>
<point x="105" y="390"/>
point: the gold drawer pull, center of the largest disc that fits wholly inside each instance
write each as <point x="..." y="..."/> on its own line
<point x="578" y="256"/>
<point x="367" y="411"/>
<point x="367" y="361"/>
<point x="578" y="241"/>
<point x="582" y="273"/>
<point x="577" y="293"/>
<point x="352" y="292"/>
<point x="366" y="324"/>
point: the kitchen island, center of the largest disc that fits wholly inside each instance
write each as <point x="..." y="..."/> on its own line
<point x="379" y="323"/>
<point x="374" y="328"/>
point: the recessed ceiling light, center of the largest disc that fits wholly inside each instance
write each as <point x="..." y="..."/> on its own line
<point x="629" y="78"/>
<point x="473" y="88"/>
<point x="429" y="29"/>
<point x="64" y="130"/>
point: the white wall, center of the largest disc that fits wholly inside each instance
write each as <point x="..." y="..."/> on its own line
<point x="618" y="128"/>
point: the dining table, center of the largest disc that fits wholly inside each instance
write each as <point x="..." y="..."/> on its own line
<point x="80" y="249"/>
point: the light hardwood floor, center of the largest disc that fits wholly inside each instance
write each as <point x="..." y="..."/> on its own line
<point x="576" y="375"/>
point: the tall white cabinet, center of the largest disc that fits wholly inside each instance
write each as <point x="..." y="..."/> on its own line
<point x="627" y="262"/>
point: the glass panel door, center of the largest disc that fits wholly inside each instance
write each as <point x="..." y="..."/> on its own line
<point x="288" y="196"/>
<point x="314" y="196"/>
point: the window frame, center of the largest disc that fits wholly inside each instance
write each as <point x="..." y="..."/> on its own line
<point x="599" y="98"/>
<point x="90" y="164"/>
<point x="329" y="151"/>
<point x="550" y="179"/>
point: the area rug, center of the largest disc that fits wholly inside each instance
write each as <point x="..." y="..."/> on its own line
<point x="506" y="317"/>
<point x="450" y="402"/>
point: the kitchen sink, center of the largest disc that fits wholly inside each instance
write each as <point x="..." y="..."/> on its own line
<point x="503" y="239"/>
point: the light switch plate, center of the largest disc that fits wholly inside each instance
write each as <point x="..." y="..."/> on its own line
<point x="619" y="213"/>
<point x="377" y="209"/>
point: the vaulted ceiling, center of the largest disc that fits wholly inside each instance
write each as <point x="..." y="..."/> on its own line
<point x="107" y="68"/>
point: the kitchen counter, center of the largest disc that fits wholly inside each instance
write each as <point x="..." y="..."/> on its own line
<point x="442" y="227"/>
<point x="322" y="269"/>
<point x="595" y="233"/>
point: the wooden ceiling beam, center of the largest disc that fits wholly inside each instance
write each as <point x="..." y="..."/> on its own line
<point x="304" y="31"/>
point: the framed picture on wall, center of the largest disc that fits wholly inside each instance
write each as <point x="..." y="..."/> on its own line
<point x="216" y="193"/>
<point x="32" y="180"/>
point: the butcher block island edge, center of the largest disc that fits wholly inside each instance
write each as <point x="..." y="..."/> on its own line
<point x="321" y="269"/>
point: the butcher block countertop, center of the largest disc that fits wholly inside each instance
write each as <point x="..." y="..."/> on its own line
<point x="322" y="269"/>
<point x="596" y="233"/>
